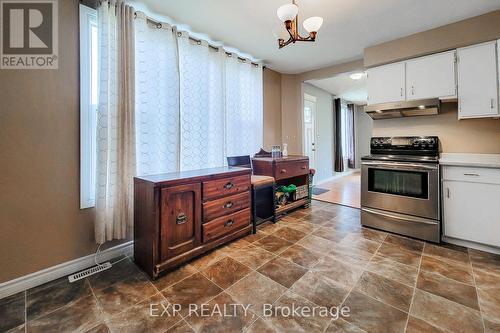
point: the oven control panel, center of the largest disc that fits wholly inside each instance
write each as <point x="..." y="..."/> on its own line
<point x="405" y="144"/>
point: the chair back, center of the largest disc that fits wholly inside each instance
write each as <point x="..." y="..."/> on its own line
<point x="239" y="161"/>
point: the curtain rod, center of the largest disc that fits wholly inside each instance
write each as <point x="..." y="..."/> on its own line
<point x="159" y="25"/>
<point x="197" y="41"/>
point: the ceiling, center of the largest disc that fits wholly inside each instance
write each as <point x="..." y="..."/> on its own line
<point x="349" y="25"/>
<point x="344" y="87"/>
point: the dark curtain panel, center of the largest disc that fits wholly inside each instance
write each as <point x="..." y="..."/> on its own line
<point x="350" y="133"/>
<point x="339" y="160"/>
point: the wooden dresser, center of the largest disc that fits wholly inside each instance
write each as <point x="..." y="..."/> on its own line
<point x="293" y="169"/>
<point x="178" y="216"/>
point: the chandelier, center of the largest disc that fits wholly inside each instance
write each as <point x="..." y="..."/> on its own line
<point x="288" y="14"/>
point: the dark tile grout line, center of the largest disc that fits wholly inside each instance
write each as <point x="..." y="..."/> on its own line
<point x="477" y="291"/>
<point x="414" y="288"/>
<point x="53" y="310"/>
<point x="355" y="283"/>
<point x="99" y="305"/>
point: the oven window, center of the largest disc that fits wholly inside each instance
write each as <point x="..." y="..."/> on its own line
<point x="406" y="183"/>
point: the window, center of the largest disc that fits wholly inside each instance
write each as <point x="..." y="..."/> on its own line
<point x="88" y="104"/>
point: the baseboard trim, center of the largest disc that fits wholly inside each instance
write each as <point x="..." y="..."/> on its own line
<point x="472" y="245"/>
<point x="55" y="272"/>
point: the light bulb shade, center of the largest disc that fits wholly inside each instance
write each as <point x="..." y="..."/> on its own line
<point x="287" y="12"/>
<point x="313" y="24"/>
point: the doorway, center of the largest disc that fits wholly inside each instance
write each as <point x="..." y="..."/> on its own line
<point x="309" y="117"/>
<point x="354" y="126"/>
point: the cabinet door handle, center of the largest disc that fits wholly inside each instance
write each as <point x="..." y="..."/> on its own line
<point x="283" y="171"/>
<point x="181" y="218"/>
<point x="229" y="223"/>
<point x="228" y="204"/>
<point x="401" y="92"/>
<point x="447" y="192"/>
<point x="228" y="186"/>
<point x="412" y="90"/>
<point x="471" y="174"/>
<point x="492" y="102"/>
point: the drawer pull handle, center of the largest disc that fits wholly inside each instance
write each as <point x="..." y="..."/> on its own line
<point x="303" y="167"/>
<point x="228" y="186"/>
<point x="283" y="171"/>
<point x="228" y="204"/>
<point x="228" y="223"/>
<point x="181" y="218"/>
<point x="471" y="174"/>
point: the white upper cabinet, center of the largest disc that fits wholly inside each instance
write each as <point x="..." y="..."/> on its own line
<point x="431" y="76"/>
<point x="478" y="81"/>
<point x="386" y="83"/>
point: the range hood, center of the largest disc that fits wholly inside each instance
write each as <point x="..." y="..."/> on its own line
<point x="422" y="107"/>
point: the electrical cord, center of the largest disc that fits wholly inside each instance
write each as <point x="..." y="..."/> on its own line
<point x="111" y="262"/>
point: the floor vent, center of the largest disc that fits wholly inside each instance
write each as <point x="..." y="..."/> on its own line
<point x="90" y="271"/>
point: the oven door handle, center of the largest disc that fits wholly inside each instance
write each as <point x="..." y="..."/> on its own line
<point x="396" y="217"/>
<point x="408" y="166"/>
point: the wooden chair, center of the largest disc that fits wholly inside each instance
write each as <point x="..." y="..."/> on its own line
<point x="263" y="193"/>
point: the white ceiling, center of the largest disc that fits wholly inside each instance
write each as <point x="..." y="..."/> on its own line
<point x="344" y="87"/>
<point x="349" y="25"/>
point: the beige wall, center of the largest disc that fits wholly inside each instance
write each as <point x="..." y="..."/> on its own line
<point x="464" y="136"/>
<point x="272" y="108"/>
<point x="291" y="105"/>
<point x="467" y="32"/>
<point x="40" y="219"/>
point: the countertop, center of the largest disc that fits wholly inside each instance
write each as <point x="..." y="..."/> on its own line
<point x="472" y="160"/>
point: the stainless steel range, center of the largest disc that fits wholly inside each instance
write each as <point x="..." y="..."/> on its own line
<point x="400" y="186"/>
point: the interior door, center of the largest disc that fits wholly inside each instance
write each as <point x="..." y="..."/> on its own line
<point x="310" y="129"/>
<point x="477" y="81"/>
<point x="180" y="229"/>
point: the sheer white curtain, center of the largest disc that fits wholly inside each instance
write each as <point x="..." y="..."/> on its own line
<point x="201" y="105"/>
<point x="115" y="123"/>
<point x="244" y="107"/>
<point x="157" y="98"/>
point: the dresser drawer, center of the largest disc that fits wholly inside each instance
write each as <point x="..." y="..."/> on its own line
<point x="224" y="206"/>
<point x="471" y="174"/>
<point x="225" y="225"/>
<point x="291" y="169"/>
<point x="223" y="187"/>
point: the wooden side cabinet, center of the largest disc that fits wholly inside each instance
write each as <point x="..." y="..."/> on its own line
<point x="179" y="216"/>
<point x="180" y="219"/>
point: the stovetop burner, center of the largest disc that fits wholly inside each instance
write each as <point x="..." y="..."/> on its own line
<point x="424" y="149"/>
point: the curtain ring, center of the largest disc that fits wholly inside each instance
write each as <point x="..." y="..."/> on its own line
<point x="198" y="42"/>
<point x="159" y="25"/>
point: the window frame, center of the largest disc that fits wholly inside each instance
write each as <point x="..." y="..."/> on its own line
<point x="88" y="111"/>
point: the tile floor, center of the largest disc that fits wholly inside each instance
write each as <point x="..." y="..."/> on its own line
<point x="315" y="257"/>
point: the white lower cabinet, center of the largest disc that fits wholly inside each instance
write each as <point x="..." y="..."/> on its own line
<point x="471" y="204"/>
